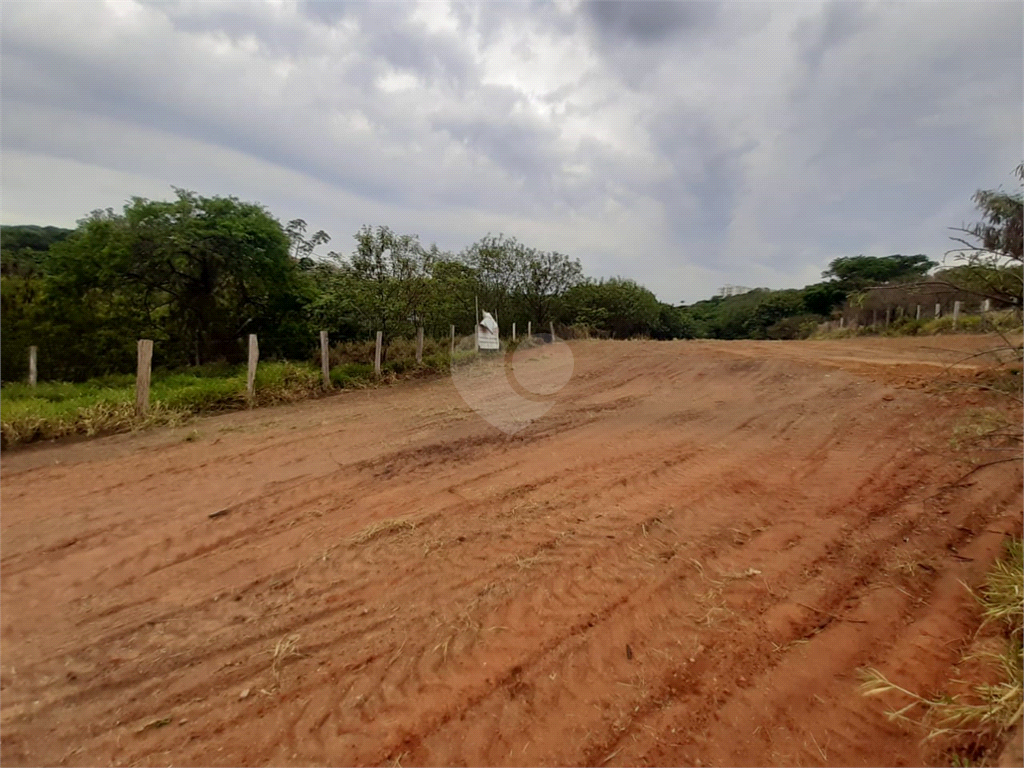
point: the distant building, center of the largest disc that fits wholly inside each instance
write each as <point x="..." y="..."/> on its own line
<point x="733" y="290"/>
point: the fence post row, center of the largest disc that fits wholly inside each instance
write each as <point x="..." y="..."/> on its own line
<point x="32" y="370"/>
<point x="142" y="374"/>
<point x="376" y="354"/>
<point x="254" y="357"/>
<point x="325" y="358"/>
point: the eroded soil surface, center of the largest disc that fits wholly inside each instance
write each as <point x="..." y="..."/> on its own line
<point x="685" y="561"/>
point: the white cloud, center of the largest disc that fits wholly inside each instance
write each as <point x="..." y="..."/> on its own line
<point x="683" y="145"/>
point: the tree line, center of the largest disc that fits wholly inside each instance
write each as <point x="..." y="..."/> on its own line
<point x="198" y="274"/>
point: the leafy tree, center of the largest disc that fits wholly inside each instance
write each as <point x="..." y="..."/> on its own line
<point x="673" y="323"/>
<point x="500" y="265"/>
<point x="854" y="273"/>
<point x="198" y="271"/>
<point x="618" y="306"/>
<point x="24" y="248"/>
<point x="452" y="297"/>
<point x="774" y="307"/>
<point x="301" y="249"/>
<point x="992" y="250"/>
<point x="822" y="298"/>
<point x="390" y="275"/>
<point x="545" y="278"/>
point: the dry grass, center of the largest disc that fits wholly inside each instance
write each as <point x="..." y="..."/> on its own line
<point x="989" y="709"/>
<point x="285" y="648"/>
<point x="384" y="528"/>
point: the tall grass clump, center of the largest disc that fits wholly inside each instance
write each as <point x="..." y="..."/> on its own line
<point x="988" y="710"/>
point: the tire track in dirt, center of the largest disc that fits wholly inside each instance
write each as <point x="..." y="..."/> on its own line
<point x="495" y="630"/>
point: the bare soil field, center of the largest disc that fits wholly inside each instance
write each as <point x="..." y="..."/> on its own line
<point x="685" y="561"/>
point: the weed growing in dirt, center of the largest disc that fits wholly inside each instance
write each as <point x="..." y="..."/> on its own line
<point x="990" y="709"/>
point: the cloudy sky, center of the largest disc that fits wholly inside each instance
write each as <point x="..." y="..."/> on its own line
<point x="686" y="145"/>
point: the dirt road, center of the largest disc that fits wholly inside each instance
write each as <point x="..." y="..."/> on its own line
<point x="684" y="562"/>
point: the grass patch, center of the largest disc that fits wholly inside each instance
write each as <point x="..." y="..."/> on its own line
<point x="988" y="710"/>
<point x="1004" y="321"/>
<point x="106" y="404"/>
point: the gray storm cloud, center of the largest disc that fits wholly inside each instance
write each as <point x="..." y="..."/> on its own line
<point x="683" y="144"/>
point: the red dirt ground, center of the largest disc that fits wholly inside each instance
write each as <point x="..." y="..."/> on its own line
<point x="686" y="561"/>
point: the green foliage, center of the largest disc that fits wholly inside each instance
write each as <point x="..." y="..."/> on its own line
<point x="352" y="375"/>
<point x="198" y="274"/>
<point x="773" y="307"/>
<point x="23" y="248"/>
<point x="854" y="273"/>
<point x="992" y="252"/>
<point x="518" y="283"/>
<point x="794" y="327"/>
<point x="673" y="323"/>
<point x="822" y="298"/>
<point x="388" y="277"/>
<point x="620" y="307"/>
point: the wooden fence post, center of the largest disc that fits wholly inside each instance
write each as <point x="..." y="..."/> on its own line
<point x="254" y="358"/>
<point x="142" y="373"/>
<point x="899" y="312"/>
<point x="376" y="354"/>
<point x="32" y="371"/>
<point x="918" y="317"/>
<point x="513" y="331"/>
<point x="956" y="313"/>
<point x="986" y="305"/>
<point x="452" y="353"/>
<point x="842" y="322"/>
<point x="874" y="317"/>
<point x="888" y="314"/>
<point x="551" y="325"/>
<point x="529" y="328"/>
<point x="325" y="358"/>
<point x="938" y="310"/>
<point x="419" y="345"/>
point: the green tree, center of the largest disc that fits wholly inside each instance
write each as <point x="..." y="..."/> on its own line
<point x="617" y="306"/>
<point x="545" y="278"/>
<point x="197" y="271"/>
<point x="673" y="323"/>
<point x="822" y="298"/>
<point x="855" y="273"/>
<point x="500" y="265"/>
<point x="991" y="251"/>
<point x="775" y="306"/>
<point x="302" y="249"/>
<point x="390" y="276"/>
